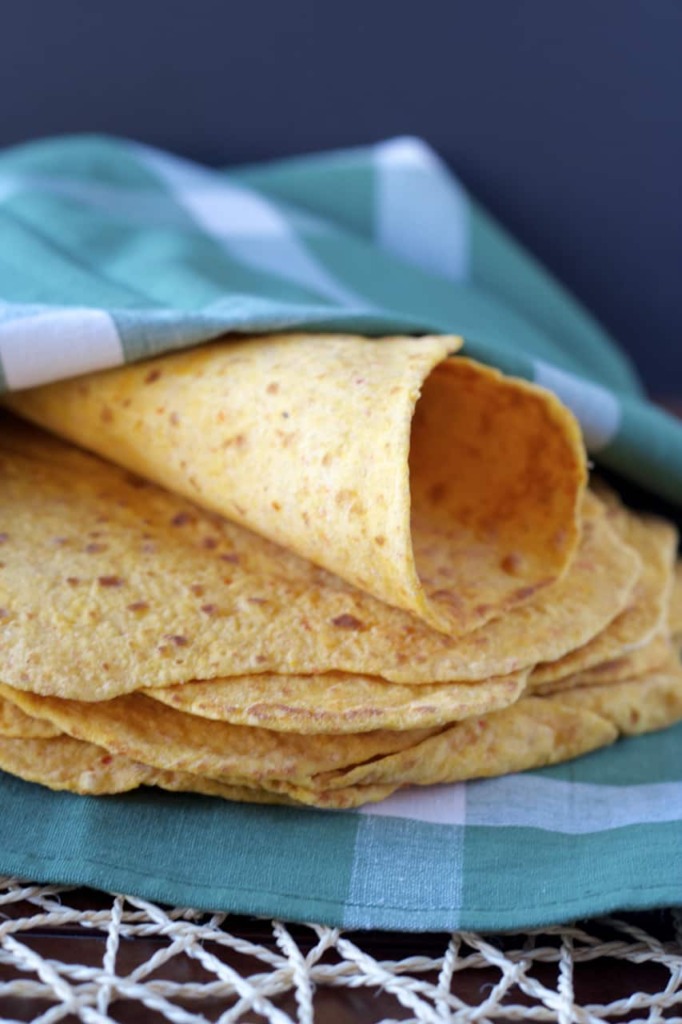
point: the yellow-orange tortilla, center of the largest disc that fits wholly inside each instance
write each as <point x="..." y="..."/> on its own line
<point x="16" y="724"/>
<point x="454" y="506"/>
<point x="148" y="732"/>
<point x="675" y="611"/>
<point x="646" y="659"/>
<point x="649" y="702"/>
<point x="647" y="611"/>
<point x="336" y="702"/>
<point x="535" y="731"/>
<point x="63" y="763"/>
<point x="423" y="539"/>
<point x="152" y="591"/>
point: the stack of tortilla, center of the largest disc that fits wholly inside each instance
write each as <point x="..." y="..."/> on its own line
<point x="316" y="569"/>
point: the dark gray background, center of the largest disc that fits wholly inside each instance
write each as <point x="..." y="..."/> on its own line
<point x="564" y="117"/>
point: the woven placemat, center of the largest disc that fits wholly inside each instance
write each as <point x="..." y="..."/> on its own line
<point x="146" y="962"/>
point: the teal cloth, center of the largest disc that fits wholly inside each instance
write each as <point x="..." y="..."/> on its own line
<point x="111" y="251"/>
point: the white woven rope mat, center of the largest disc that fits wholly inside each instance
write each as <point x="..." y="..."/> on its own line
<point x="131" y="960"/>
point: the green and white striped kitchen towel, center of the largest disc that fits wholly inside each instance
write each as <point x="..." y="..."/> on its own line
<point x="112" y="251"/>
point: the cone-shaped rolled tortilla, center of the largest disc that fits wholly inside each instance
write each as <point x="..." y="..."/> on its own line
<point x="455" y="505"/>
<point x="109" y="585"/>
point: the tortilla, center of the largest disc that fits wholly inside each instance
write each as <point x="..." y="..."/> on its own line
<point x="534" y="732"/>
<point x="529" y="733"/>
<point x="635" y="663"/>
<point x="337" y="702"/>
<point x="152" y="591"/>
<point x="454" y="506"/>
<point x="646" y="614"/>
<point x="422" y="539"/>
<point x="340" y="771"/>
<point x="16" y="724"/>
<point x="675" y="611"/>
<point x="63" y="763"/>
<point x="133" y="725"/>
<point x="652" y="701"/>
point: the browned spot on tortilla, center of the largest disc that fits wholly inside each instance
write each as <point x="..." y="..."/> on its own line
<point x="178" y="639"/>
<point x="138" y="606"/>
<point x="346" y="621"/>
<point x="181" y="519"/>
<point x="380" y="541"/>
<point x="525" y="592"/>
<point x="272" y="388"/>
<point x="512" y="563"/>
<point x="445" y="595"/>
<point x="152" y="376"/>
<point x="110" y="581"/>
<point x="236" y="441"/>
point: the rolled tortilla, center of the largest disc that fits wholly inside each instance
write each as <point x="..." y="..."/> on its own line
<point x="455" y="505"/>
